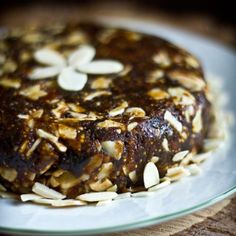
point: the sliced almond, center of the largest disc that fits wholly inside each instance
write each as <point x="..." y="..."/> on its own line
<point x="33" y="92"/>
<point x="165" y="144"/>
<point x="110" y="124"/>
<point x="131" y="126"/>
<point x="67" y="203"/>
<point x="101" y="83"/>
<point x="83" y="55"/>
<point x="71" y="80"/>
<point x="44" y="72"/>
<point x="191" y="61"/>
<point x="93" y="95"/>
<point x="105" y="171"/>
<point x="135" y="112"/>
<point x="10" y="83"/>
<point x="100" y="186"/>
<point x="46" y="192"/>
<point x="180" y="156"/>
<point x="154" y="159"/>
<point x="113" y="148"/>
<point x="197" y="121"/>
<point x="29" y="197"/>
<point x="159" y="186"/>
<point x="33" y="147"/>
<point x="150" y="175"/>
<point x="162" y="58"/>
<point x="158" y="94"/>
<point x="101" y="67"/>
<point x="8" y="174"/>
<point x="173" y="121"/>
<point x="98" y="196"/>
<point x="113" y="188"/>
<point x="49" y="57"/>
<point x="123" y="196"/>
<point x="193" y="169"/>
<point x="181" y="96"/>
<point x="188" y="80"/>
<point x="177" y="173"/>
<point x="118" y="110"/>
<point x="133" y="176"/>
<point x="67" y="132"/>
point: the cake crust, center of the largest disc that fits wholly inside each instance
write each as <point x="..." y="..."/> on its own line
<point x="101" y="137"/>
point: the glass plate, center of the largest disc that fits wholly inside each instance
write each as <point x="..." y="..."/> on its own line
<point x="217" y="180"/>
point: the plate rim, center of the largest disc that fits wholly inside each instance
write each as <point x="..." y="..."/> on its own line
<point x="149" y="220"/>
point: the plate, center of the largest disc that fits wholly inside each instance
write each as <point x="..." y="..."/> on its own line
<point x="217" y="180"/>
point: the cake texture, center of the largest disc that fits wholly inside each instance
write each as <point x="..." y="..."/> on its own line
<point x="84" y="108"/>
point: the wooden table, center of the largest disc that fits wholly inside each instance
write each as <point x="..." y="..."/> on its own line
<point x="219" y="219"/>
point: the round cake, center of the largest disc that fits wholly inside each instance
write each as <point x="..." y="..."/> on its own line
<point x="84" y="108"/>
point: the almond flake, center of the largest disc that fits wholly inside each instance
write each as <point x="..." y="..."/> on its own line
<point x="154" y="76"/>
<point x="10" y="83"/>
<point x="191" y="61"/>
<point x="71" y="80"/>
<point x="8" y="174"/>
<point x="23" y="117"/>
<point x="60" y="109"/>
<point x="33" y="92"/>
<point x="150" y="175"/>
<point x="181" y="96"/>
<point x="123" y="196"/>
<point x="159" y="186"/>
<point x="43" y="134"/>
<point x="49" y="57"/>
<point x="105" y="170"/>
<point x="135" y="112"/>
<point x="165" y="144"/>
<point x="44" y="72"/>
<point x="100" y="83"/>
<point x="113" y="188"/>
<point x="101" y="67"/>
<point x="131" y="126"/>
<point x="193" y="169"/>
<point x="133" y="176"/>
<point x="67" y="203"/>
<point x="177" y="173"/>
<point x="83" y="55"/>
<point x="197" y="121"/>
<point x="98" y="196"/>
<point x="188" y="80"/>
<point x="103" y="203"/>
<point x="46" y="192"/>
<point x="180" y="156"/>
<point x="162" y="58"/>
<point x="100" y="186"/>
<point x="158" y="94"/>
<point x="93" y="95"/>
<point x="118" y="110"/>
<point x="154" y="159"/>
<point x="110" y="124"/>
<point x="33" y="147"/>
<point x="142" y="194"/>
<point x="29" y="197"/>
<point x="113" y="148"/>
<point x="67" y="132"/>
<point x="173" y="121"/>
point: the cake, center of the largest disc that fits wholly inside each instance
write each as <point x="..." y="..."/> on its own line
<point x="87" y="108"/>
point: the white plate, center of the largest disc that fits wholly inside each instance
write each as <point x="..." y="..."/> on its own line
<point x="217" y="181"/>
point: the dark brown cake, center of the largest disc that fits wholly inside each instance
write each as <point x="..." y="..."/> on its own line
<point x="99" y="135"/>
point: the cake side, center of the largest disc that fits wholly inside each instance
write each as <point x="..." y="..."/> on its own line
<point x="99" y="137"/>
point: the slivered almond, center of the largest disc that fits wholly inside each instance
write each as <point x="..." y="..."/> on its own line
<point x="118" y="110"/>
<point x="150" y="175"/>
<point x="180" y="156"/>
<point x="113" y="148"/>
<point x="197" y="121"/>
<point x="46" y="192"/>
<point x="29" y="197"/>
<point x="188" y="80"/>
<point x="173" y="121"/>
<point x="158" y="94"/>
<point x="33" y="147"/>
<point x="131" y="126"/>
<point x="159" y="186"/>
<point x="101" y="67"/>
<point x="165" y="144"/>
<point x="93" y="95"/>
<point x="98" y="196"/>
<point x="135" y="112"/>
<point x="105" y="170"/>
<point x="100" y="186"/>
<point x="67" y="203"/>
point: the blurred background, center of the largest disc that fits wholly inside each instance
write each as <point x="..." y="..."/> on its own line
<point x="216" y="19"/>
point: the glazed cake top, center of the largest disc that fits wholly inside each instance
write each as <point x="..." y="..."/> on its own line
<point x="67" y="84"/>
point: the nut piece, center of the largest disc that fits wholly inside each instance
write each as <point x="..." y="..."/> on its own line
<point x="188" y="80"/>
<point x="100" y="186"/>
<point x="113" y="148"/>
<point x="133" y="176"/>
<point x="10" y="83"/>
<point x="155" y="75"/>
<point x="101" y="83"/>
<point x="118" y="110"/>
<point x="197" y="121"/>
<point x="135" y="112"/>
<point x="162" y="59"/>
<point x="93" y="95"/>
<point x="131" y="126"/>
<point x="110" y="124"/>
<point x="180" y="156"/>
<point x="46" y="192"/>
<point x="29" y="197"/>
<point x="33" y="92"/>
<point x="96" y="197"/>
<point x="173" y="121"/>
<point x="158" y="94"/>
<point x="150" y="175"/>
<point x="181" y="96"/>
<point x="8" y="173"/>
<point x="67" y="132"/>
